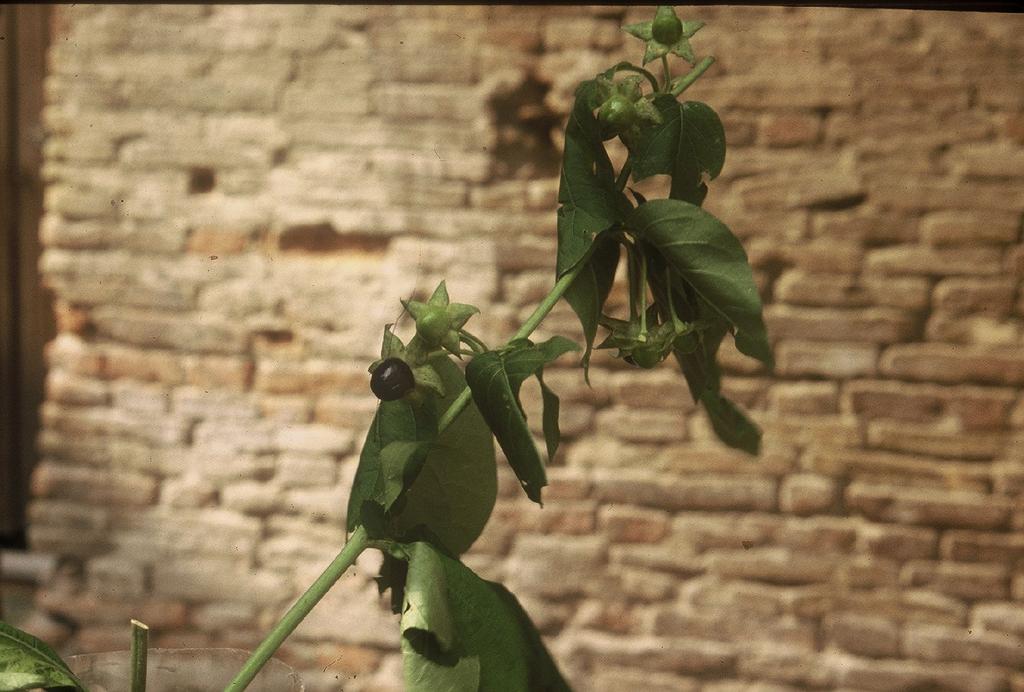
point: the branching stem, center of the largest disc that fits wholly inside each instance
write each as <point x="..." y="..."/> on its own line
<point x="700" y="68"/>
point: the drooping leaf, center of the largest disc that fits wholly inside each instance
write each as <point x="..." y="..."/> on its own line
<point x="552" y="433"/>
<point x="396" y="421"/>
<point x="588" y="293"/>
<point x="455" y="490"/>
<point x="704" y="252"/>
<point x="26" y="663"/>
<point x="654" y="152"/>
<point x="460" y="632"/>
<point x="730" y="423"/>
<point x="590" y="201"/>
<point x="494" y="378"/>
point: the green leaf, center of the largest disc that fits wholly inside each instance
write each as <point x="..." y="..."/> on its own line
<point x="460" y="632"/>
<point x="552" y="434"/>
<point x="689" y="144"/>
<point x="704" y="252"/>
<point x="701" y="153"/>
<point x="590" y="200"/>
<point x="494" y="378"/>
<point x="400" y="461"/>
<point x="395" y="421"/>
<point x="587" y="294"/>
<point x="26" y="663"/>
<point x="730" y="423"/>
<point x="454" y="493"/>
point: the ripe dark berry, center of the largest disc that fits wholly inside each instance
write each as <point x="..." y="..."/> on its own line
<point x="392" y="380"/>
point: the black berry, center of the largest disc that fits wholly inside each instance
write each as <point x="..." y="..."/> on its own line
<point x="392" y="380"/>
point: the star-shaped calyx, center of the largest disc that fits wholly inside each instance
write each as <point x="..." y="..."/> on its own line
<point x="438" y="321"/>
<point x="666" y="34"/>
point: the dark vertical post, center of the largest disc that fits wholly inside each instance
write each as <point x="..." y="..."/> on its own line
<point x="26" y="314"/>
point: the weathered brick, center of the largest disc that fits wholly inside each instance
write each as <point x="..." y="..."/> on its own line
<point x="935" y="440"/>
<point x="936" y="643"/>
<point x="968" y="581"/>
<point x="549" y="566"/>
<point x="813" y="398"/>
<point x="973" y="546"/>
<point x="623" y="524"/>
<point x="217" y="580"/>
<point x="687" y="656"/>
<point x="789" y="129"/>
<point x="799" y="287"/>
<point x="869" y="674"/>
<point x="796" y="358"/>
<point x="771" y="565"/>
<point x="898" y="542"/>
<point x="673" y="494"/>
<point x="807" y="493"/>
<point x="950" y="364"/>
<point x="957" y="509"/>
<point x="913" y="259"/>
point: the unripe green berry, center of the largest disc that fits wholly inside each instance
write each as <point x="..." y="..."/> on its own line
<point x="618" y="113"/>
<point x="666" y="28"/>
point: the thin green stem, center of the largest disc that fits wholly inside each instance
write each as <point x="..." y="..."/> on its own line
<point x="356" y="544"/>
<point x="642" y="287"/>
<point x="139" y="654"/>
<point x="683" y="83"/>
<point x="532" y="322"/>
<point x="474" y="342"/>
<point x="453" y="411"/>
<point x="561" y="286"/>
<point x="627" y="67"/>
<point x="668" y="73"/>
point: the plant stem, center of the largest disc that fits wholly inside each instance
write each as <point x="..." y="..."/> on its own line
<point x="561" y="286"/>
<point x="693" y="75"/>
<point x="356" y="544"/>
<point x="140" y="650"/>
<point x="668" y="72"/>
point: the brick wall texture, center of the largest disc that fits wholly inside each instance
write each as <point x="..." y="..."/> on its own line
<point x="237" y="197"/>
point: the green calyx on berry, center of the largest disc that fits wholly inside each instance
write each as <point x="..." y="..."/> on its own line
<point x="665" y="34"/>
<point x="438" y="320"/>
<point x="623" y="106"/>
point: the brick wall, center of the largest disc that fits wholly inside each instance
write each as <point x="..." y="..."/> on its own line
<point x="238" y="196"/>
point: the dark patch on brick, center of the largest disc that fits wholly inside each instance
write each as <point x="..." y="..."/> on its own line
<point x="323" y="238"/>
<point x="276" y="336"/>
<point x="201" y="180"/>
<point x="523" y="123"/>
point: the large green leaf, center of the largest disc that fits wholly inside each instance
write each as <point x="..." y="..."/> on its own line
<point x="380" y="478"/>
<point x="590" y="200"/>
<point x="454" y="493"/>
<point x="689" y="144"/>
<point x="460" y="632"/>
<point x="588" y="292"/>
<point x="494" y="378"/>
<point x="27" y="664"/>
<point x="704" y="252"/>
